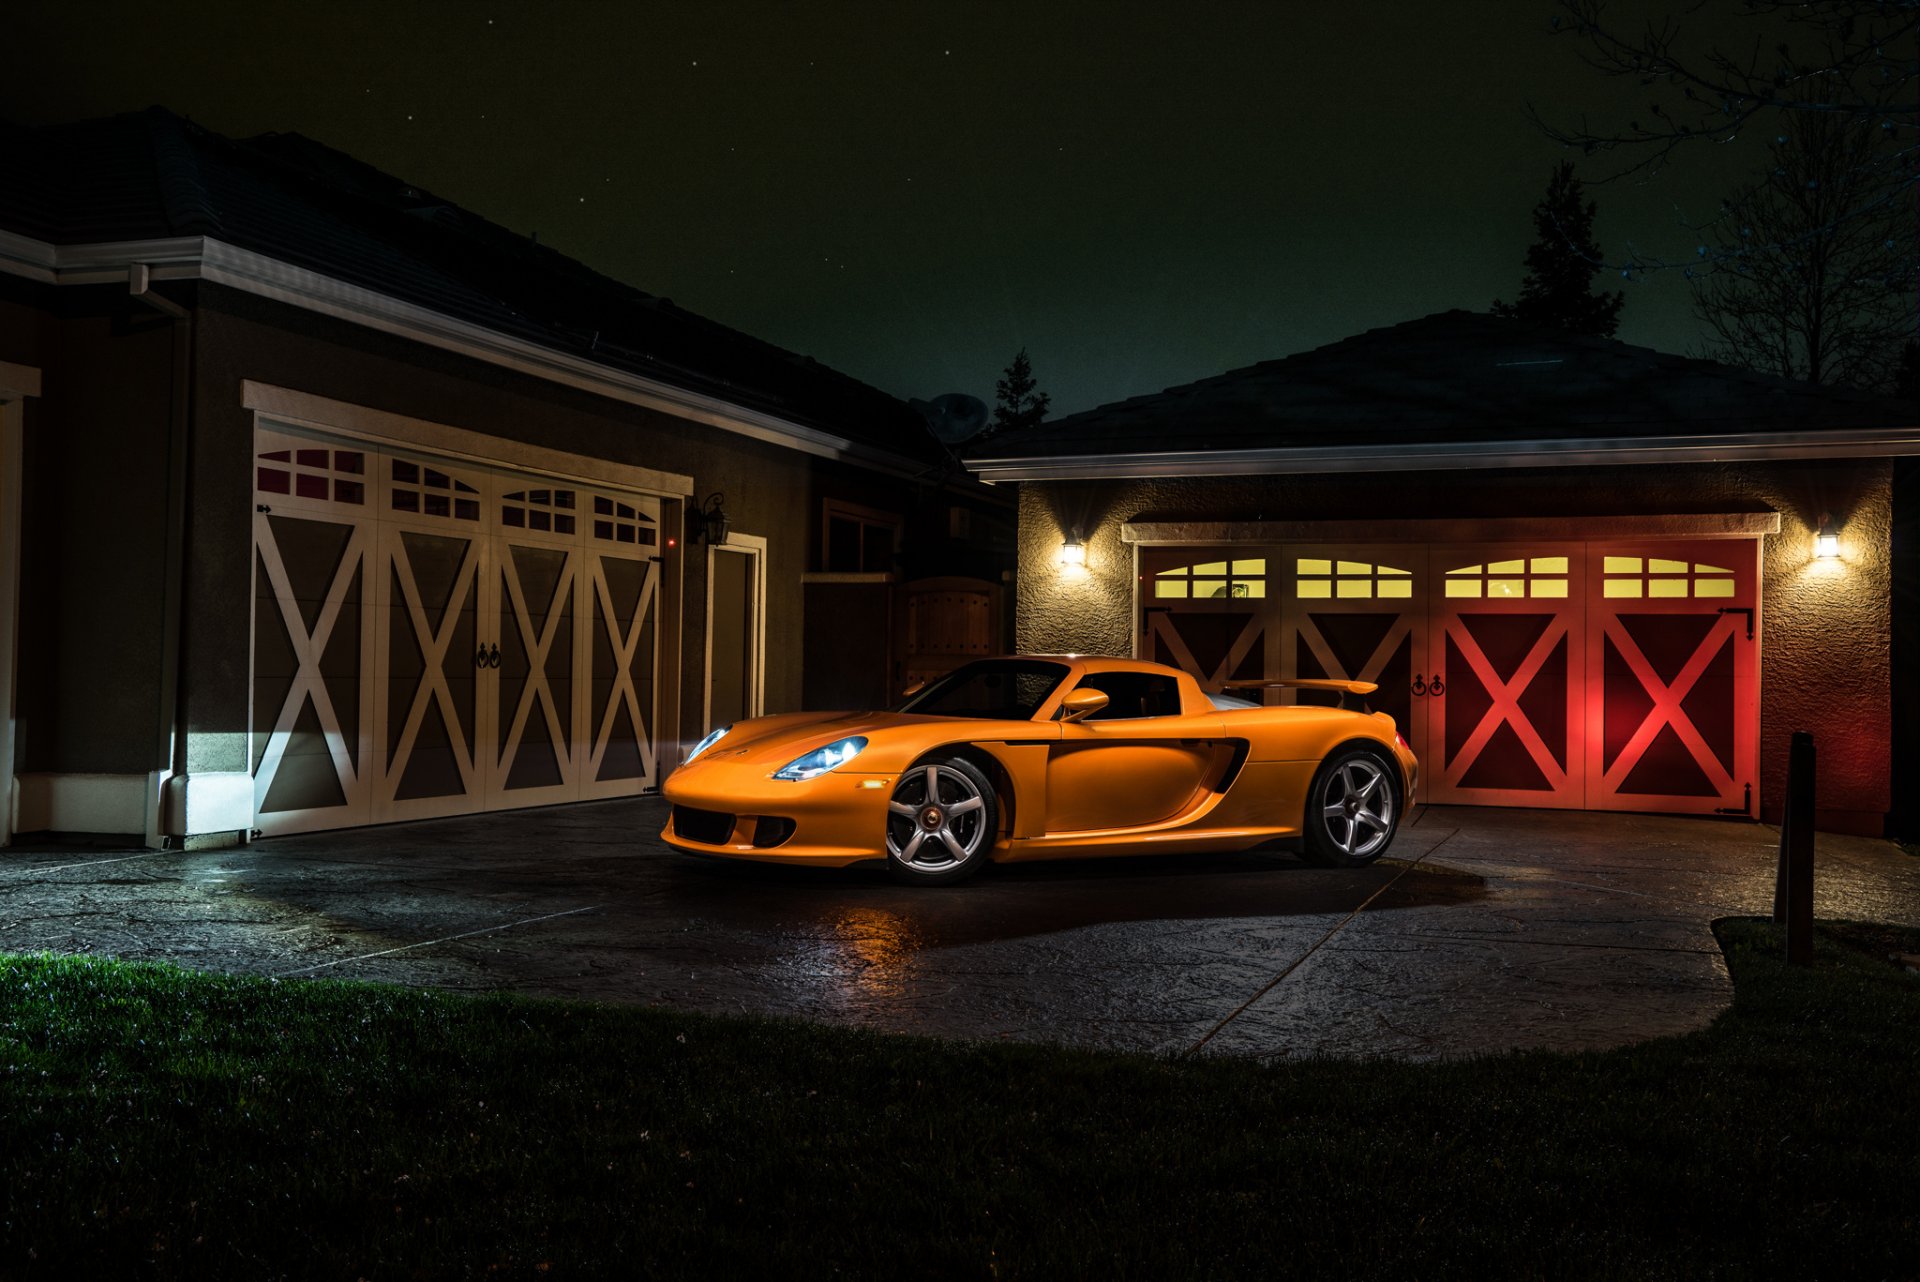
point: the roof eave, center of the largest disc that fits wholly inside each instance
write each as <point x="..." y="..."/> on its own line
<point x="1696" y="447"/>
<point x="218" y="262"/>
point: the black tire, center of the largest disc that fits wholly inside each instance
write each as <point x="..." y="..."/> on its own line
<point x="936" y="835"/>
<point x="1353" y="810"/>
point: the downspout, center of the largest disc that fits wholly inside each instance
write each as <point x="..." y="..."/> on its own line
<point x="169" y="741"/>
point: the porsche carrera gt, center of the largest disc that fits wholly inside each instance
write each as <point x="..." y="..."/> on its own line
<point x="1044" y="757"/>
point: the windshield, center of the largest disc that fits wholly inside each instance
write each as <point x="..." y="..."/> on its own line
<point x="996" y="689"/>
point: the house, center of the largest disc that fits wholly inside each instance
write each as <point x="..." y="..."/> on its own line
<point x="326" y="502"/>
<point x="1584" y="574"/>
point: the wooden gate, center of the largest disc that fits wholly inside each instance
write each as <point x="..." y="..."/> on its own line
<point x="313" y="634"/>
<point x="1210" y="612"/>
<point x="1672" y="676"/>
<point x="1358" y="613"/>
<point x="1505" y="700"/>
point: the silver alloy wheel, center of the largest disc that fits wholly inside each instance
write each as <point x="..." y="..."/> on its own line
<point x="1357" y="807"/>
<point x="935" y="819"/>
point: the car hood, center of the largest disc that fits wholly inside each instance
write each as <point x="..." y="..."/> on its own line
<point x="777" y="740"/>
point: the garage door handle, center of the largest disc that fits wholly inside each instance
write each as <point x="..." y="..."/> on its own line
<point x="487" y="658"/>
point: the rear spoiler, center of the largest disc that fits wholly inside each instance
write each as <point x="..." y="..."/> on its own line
<point x="1352" y="693"/>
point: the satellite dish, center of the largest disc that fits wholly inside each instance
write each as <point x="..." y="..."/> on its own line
<point x="954" y="417"/>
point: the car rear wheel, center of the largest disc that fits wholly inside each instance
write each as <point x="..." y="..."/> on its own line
<point x="941" y="822"/>
<point x="1353" y="809"/>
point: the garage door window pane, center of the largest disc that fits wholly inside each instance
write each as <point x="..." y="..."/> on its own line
<point x="1170" y="588"/>
<point x="1713" y="587"/>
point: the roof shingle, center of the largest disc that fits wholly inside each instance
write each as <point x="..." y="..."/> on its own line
<point x="153" y="175"/>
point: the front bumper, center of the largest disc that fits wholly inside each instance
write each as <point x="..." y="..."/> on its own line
<point x="736" y="811"/>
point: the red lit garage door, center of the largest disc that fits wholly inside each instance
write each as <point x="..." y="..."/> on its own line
<point x="1672" y="676"/>
<point x="1616" y="676"/>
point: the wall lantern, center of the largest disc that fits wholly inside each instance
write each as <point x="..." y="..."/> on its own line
<point x="1826" y="542"/>
<point x="709" y="521"/>
<point x="1073" y="553"/>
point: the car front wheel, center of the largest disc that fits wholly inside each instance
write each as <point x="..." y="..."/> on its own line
<point x="1352" y="810"/>
<point x="941" y="822"/>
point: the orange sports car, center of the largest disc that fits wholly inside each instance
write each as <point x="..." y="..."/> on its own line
<point x="1042" y="757"/>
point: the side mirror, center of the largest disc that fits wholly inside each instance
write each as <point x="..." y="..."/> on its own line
<point x="1082" y="703"/>
<point x="913" y="689"/>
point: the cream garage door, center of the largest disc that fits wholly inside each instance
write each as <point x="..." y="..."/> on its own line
<point x="433" y="637"/>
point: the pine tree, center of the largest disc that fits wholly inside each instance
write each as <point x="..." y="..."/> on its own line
<point x="1561" y="264"/>
<point x="1020" y="406"/>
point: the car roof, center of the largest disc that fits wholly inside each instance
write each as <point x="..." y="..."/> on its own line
<point x="1099" y="662"/>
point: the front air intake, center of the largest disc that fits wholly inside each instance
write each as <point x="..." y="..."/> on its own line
<point x="708" y="827"/>
<point x="770" y="831"/>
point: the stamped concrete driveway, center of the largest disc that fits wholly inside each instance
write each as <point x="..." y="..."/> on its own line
<point x="1484" y="930"/>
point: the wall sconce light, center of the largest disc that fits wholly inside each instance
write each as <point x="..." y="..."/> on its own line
<point x="1826" y="542"/>
<point x="1073" y="553"/>
<point x="709" y="521"/>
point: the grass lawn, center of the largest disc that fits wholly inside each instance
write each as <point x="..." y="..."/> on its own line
<point x="159" y="1122"/>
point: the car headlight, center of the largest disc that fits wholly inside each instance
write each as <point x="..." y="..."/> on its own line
<point x="706" y="743"/>
<point x="820" y="760"/>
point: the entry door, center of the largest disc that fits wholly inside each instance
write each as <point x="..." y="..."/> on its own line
<point x="736" y="631"/>
<point x="1357" y="613"/>
<point x="1673" y="669"/>
<point x="1210" y="612"/>
<point x="1505" y="712"/>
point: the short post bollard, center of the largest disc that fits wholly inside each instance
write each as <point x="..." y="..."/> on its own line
<point x="1793" y="880"/>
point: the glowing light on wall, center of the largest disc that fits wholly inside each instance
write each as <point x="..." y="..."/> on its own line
<point x="1826" y="541"/>
<point x="1073" y="553"/>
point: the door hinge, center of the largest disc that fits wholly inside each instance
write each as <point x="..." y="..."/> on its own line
<point x="1741" y="609"/>
<point x="1745" y="807"/>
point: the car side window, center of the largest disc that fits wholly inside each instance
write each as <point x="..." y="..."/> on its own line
<point x="1132" y="695"/>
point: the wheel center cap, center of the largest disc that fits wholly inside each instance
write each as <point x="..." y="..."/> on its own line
<point x="1352" y="806"/>
<point x="930" y="818"/>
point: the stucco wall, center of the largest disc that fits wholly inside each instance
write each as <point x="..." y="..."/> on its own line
<point x="93" y="510"/>
<point x="1825" y="640"/>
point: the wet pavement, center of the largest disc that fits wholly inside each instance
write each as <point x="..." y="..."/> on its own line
<point x="1483" y="930"/>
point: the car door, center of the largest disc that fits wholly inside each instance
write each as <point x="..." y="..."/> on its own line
<point x="1137" y="762"/>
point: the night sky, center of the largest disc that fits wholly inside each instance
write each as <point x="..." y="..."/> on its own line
<point x="1140" y="195"/>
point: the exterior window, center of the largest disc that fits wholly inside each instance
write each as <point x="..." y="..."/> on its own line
<point x="1538" y="576"/>
<point x="1212" y="580"/>
<point x="313" y="472"/>
<point x="431" y="492"/>
<point x="1657" y="577"/>
<point x="857" y="540"/>
<point x="1131" y="695"/>
<point x="550" y="511"/>
<point x="615" y="521"/>
<point x="1320" y="579"/>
